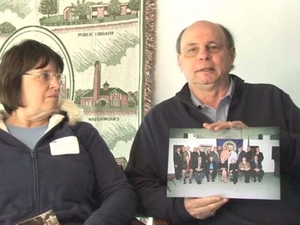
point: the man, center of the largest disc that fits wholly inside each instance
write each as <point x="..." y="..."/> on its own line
<point x="256" y="169"/>
<point x="215" y="150"/>
<point x="249" y="155"/>
<point x="199" y="170"/>
<point x="213" y="154"/>
<point x="187" y="169"/>
<point x="234" y="170"/>
<point x="210" y="169"/>
<point x="219" y="150"/>
<point x="215" y="100"/>
<point x="203" y="154"/>
<point x="178" y="163"/>
<point x="194" y="157"/>
<point x="241" y="153"/>
<point x="186" y="152"/>
<point x="259" y="154"/>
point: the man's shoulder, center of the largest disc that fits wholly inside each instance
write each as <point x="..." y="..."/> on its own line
<point x="176" y="102"/>
<point x="239" y="82"/>
<point x="262" y="86"/>
<point x="264" y="90"/>
<point x="166" y="105"/>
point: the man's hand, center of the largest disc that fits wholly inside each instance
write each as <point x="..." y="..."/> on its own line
<point x="202" y="208"/>
<point x="221" y="125"/>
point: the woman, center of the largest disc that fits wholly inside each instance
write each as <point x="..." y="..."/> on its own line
<point x="244" y="167"/>
<point x="225" y="154"/>
<point x="49" y="158"/>
<point x="223" y="169"/>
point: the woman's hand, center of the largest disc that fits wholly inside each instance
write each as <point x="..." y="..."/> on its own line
<point x="202" y="208"/>
<point x="221" y="125"/>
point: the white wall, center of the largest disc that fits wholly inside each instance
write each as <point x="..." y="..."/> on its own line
<point x="267" y="35"/>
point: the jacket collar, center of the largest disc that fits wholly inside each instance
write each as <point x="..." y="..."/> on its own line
<point x="185" y="94"/>
<point x="66" y="109"/>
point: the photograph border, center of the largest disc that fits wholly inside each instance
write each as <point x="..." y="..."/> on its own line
<point x="192" y="143"/>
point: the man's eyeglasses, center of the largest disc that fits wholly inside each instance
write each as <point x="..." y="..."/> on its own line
<point x="47" y="77"/>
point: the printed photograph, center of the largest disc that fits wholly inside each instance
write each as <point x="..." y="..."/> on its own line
<point x="235" y="163"/>
<point x="46" y="218"/>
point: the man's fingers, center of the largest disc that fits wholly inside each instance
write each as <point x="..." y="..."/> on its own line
<point x="224" y="125"/>
<point x="202" y="208"/>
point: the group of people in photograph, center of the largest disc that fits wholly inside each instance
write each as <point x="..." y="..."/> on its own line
<point x="208" y="162"/>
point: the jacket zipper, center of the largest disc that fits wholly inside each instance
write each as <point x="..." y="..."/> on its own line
<point x="35" y="181"/>
<point x="193" y="106"/>
<point x="36" y="190"/>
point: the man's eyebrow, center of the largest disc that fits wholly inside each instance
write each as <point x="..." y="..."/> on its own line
<point x="196" y="44"/>
<point x="191" y="44"/>
<point x="213" y="42"/>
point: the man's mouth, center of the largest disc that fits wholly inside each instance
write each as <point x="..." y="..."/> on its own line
<point x="205" y="70"/>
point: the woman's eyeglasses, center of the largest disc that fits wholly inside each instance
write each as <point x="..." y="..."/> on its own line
<point x="47" y="77"/>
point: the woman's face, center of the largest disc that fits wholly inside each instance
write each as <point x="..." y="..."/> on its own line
<point x="38" y="95"/>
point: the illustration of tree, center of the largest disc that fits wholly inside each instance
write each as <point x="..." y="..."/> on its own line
<point x="131" y="103"/>
<point x="114" y="8"/>
<point x="7" y="28"/>
<point x="134" y="5"/>
<point x="82" y="10"/>
<point x="48" y="7"/>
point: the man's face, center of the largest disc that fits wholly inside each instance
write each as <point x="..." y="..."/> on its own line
<point x="205" y="58"/>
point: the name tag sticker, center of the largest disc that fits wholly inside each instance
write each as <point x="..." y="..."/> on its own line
<point x="64" y="146"/>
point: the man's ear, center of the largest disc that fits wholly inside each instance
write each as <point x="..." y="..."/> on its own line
<point x="232" y="53"/>
<point x="179" y="61"/>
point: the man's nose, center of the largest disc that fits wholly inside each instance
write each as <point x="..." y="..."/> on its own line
<point x="203" y="54"/>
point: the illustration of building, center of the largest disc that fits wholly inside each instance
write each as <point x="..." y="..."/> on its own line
<point x="98" y="10"/>
<point x="106" y="97"/>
